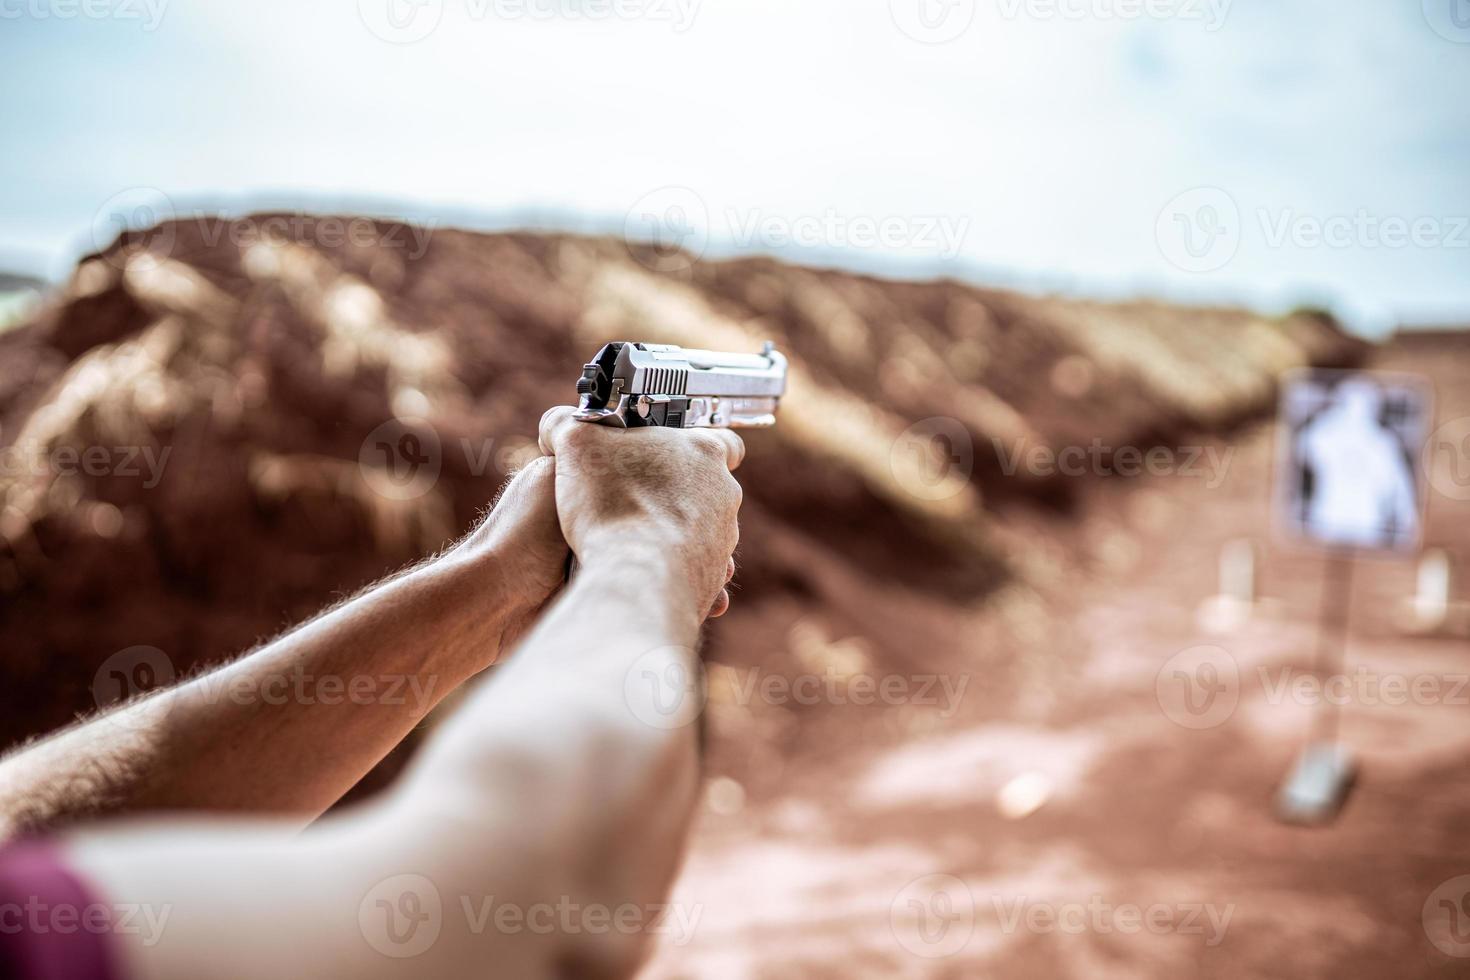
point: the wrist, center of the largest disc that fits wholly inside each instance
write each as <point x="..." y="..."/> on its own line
<point x="651" y="546"/>
<point x="486" y="591"/>
<point x="646" y="566"/>
<point x="522" y="564"/>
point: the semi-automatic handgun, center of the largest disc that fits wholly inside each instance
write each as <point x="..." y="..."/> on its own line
<point x="635" y="385"/>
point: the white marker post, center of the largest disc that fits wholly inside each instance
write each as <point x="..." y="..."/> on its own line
<point x="1232" y="606"/>
<point x="1429" y="609"/>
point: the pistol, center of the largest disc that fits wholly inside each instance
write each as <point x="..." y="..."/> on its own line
<point x="631" y="386"/>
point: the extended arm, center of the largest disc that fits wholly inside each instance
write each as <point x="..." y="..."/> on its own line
<point x="290" y="727"/>
<point x="566" y="783"/>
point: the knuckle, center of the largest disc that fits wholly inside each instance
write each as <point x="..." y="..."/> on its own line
<point x="576" y="435"/>
<point x="549" y="430"/>
<point x="710" y="445"/>
<point x="554" y="416"/>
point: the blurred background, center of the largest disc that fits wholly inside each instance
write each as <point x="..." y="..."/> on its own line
<point x="1017" y="664"/>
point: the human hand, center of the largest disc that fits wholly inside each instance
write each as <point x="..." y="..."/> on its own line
<point x="668" y="490"/>
<point x="522" y="537"/>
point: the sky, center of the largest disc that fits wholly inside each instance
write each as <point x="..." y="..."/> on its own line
<point x="1252" y="151"/>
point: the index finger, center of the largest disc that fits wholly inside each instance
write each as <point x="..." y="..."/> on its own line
<point x="553" y="425"/>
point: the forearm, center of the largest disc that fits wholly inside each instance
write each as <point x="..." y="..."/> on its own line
<point x="545" y="788"/>
<point x="286" y="729"/>
<point x="574" y="734"/>
<point x="611" y="668"/>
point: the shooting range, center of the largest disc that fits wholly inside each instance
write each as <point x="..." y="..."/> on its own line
<point x="698" y="490"/>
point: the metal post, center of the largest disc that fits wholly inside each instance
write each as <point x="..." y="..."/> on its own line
<point x="1332" y="629"/>
<point x="1323" y="774"/>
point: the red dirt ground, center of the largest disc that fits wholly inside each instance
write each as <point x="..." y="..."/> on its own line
<point x="815" y="861"/>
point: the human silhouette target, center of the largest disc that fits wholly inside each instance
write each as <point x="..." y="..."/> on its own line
<point x="1348" y="475"/>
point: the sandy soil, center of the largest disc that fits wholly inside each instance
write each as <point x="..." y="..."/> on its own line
<point x="876" y="847"/>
